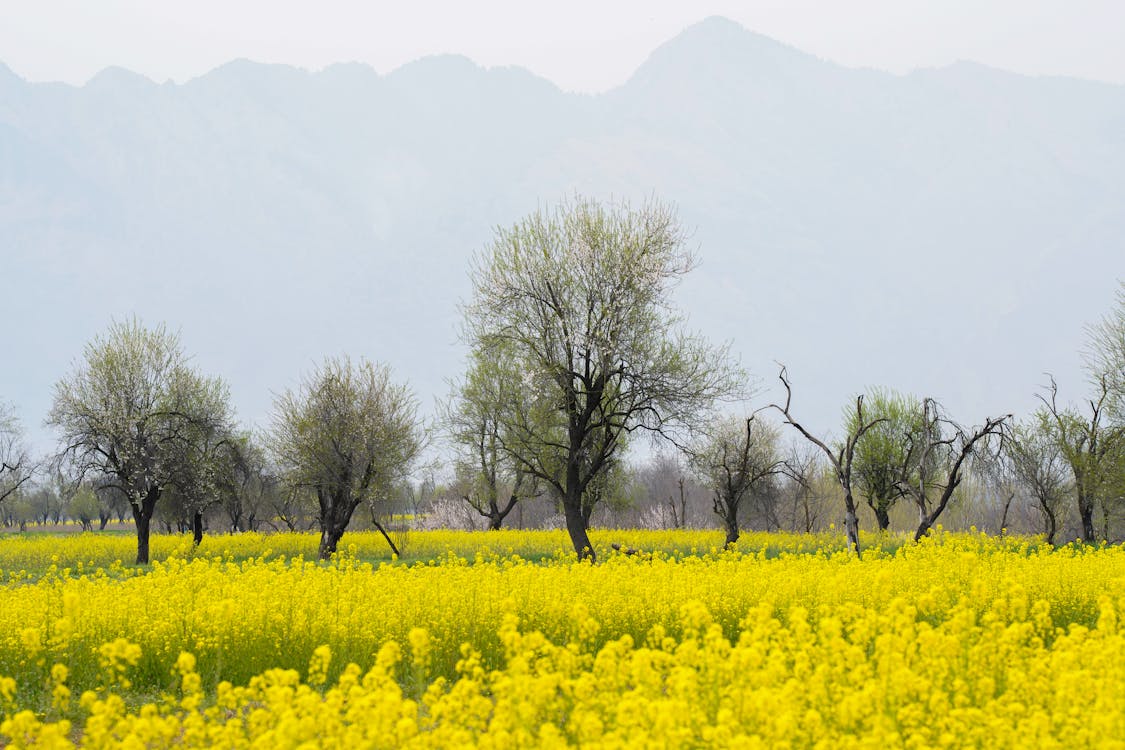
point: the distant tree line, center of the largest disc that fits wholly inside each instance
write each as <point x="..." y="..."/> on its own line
<point x="576" y="355"/>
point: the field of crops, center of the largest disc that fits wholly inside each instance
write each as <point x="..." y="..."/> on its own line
<point x="503" y="640"/>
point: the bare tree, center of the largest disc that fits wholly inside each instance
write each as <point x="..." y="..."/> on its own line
<point x="130" y="411"/>
<point x="842" y="459"/>
<point x="935" y="460"/>
<point x="16" y="466"/>
<point x="1035" y="460"/>
<point x="578" y="301"/>
<point x="735" y="460"/>
<point x="801" y="470"/>
<point x="348" y="434"/>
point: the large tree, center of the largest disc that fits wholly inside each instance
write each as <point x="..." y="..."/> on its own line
<point x="577" y="301"/>
<point x="131" y="411"/>
<point x="348" y="433"/>
<point x="736" y="459"/>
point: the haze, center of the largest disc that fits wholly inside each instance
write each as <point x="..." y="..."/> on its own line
<point x="581" y="46"/>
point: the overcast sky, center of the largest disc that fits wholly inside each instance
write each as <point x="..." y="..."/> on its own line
<point x="582" y="45"/>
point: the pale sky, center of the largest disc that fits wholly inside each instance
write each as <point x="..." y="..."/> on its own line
<point x="581" y="45"/>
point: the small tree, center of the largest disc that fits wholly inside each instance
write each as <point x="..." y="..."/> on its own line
<point x="347" y="434"/>
<point x="1091" y="445"/>
<point x="880" y="452"/>
<point x="578" y="302"/>
<point x="16" y="467"/>
<point x="129" y="413"/>
<point x="734" y="461"/>
<point x="84" y="506"/>
<point x="1105" y="355"/>
<point x="1034" y="458"/>
<point x="488" y="480"/>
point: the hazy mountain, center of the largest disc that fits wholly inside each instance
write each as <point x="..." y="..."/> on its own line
<point x="947" y="232"/>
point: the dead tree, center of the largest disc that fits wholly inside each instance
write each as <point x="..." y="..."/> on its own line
<point x="842" y="459"/>
<point x="935" y="461"/>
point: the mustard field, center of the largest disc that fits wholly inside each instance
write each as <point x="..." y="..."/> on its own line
<point x="503" y="640"/>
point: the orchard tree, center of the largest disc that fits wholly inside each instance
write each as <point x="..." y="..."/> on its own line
<point x="348" y="434"/>
<point x="577" y="302"/>
<point x="488" y="480"/>
<point x="881" y="452"/>
<point x="1033" y="457"/>
<point x="1092" y="444"/>
<point x="129" y="413"/>
<point x="738" y="457"/>
<point x="16" y="467"/>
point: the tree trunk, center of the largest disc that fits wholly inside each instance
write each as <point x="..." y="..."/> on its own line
<point x="1086" y="512"/>
<point x="1050" y="523"/>
<point x="882" y="516"/>
<point x="851" y="523"/>
<point x="197" y="528"/>
<point x="576" y="523"/>
<point x="142" y="522"/>
<point x="731" y="524"/>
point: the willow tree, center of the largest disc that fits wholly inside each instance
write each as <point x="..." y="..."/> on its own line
<point x="487" y="479"/>
<point x="881" y="451"/>
<point x="347" y="434"/>
<point x="577" y="300"/>
<point x="134" y="414"/>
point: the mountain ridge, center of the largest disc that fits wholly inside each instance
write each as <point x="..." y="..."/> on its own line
<point x="279" y="215"/>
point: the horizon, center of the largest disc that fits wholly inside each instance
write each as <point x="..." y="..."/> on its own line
<point x="869" y="39"/>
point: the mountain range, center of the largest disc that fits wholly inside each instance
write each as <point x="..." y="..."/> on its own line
<point x="948" y="232"/>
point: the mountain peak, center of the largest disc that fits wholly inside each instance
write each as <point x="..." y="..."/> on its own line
<point x="115" y="77"/>
<point x="718" y="46"/>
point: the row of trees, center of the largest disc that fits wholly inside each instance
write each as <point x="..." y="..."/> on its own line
<point x="576" y="353"/>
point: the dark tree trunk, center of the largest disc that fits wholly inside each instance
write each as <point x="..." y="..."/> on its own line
<point x="335" y="514"/>
<point x="851" y="522"/>
<point x="731" y="525"/>
<point x="197" y="528"/>
<point x="1086" y="512"/>
<point x="1050" y="523"/>
<point x="142" y="522"/>
<point x="576" y="522"/>
<point x="882" y="516"/>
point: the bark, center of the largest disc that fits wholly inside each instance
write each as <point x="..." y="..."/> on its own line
<point x="882" y="516"/>
<point x="142" y="516"/>
<point x="851" y="523"/>
<point x="576" y="522"/>
<point x="335" y="513"/>
<point x="1086" y="513"/>
<point x="732" y="530"/>
<point x="197" y="528"/>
